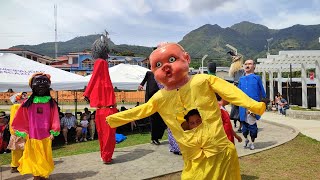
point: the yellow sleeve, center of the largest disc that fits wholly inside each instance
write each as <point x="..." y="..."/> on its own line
<point x="136" y="113"/>
<point x="13" y="111"/>
<point x="235" y="96"/>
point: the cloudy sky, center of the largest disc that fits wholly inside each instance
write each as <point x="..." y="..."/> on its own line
<point x="142" y="22"/>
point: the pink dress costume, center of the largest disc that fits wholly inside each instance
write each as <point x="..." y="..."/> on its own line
<point x="101" y="95"/>
<point x="37" y="121"/>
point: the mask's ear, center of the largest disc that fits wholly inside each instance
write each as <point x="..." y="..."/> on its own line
<point x="187" y="57"/>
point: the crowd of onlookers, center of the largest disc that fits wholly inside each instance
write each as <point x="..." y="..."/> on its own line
<point x="279" y="104"/>
<point x="79" y="130"/>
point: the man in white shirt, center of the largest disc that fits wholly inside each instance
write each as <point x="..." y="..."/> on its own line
<point x="69" y="124"/>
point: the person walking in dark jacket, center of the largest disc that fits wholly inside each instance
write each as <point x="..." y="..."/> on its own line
<point x="156" y="122"/>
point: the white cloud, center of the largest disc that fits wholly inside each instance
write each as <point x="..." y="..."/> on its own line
<point x="142" y="22"/>
<point x="285" y="19"/>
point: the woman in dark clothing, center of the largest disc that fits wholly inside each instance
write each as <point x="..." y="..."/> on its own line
<point x="156" y="122"/>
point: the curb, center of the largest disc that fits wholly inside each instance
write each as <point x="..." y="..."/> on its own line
<point x="294" y="130"/>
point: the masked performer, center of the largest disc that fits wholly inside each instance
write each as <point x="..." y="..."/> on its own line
<point x="16" y="144"/>
<point x="236" y="71"/>
<point x="206" y="150"/>
<point x="37" y="118"/>
<point x="100" y="94"/>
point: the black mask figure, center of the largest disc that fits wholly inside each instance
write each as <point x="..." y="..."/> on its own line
<point x="40" y="84"/>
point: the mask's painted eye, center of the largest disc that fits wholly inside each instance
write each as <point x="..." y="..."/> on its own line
<point x="172" y="59"/>
<point x="159" y="64"/>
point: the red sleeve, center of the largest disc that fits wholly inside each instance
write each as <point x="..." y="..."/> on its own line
<point x="227" y="125"/>
<point x="21" y="120"/>
<point x="55" y="120"/>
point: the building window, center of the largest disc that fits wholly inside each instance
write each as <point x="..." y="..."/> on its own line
<point x="34" y="58"/>
<point x="74" y="60"/>
<point x="29" y="56"/>
<point x="87" y="64"/>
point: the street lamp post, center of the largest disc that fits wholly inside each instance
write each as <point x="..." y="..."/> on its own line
<point x="204" y="57"/>
<point x="268" y="41"/>
<point x="233" y="48"/>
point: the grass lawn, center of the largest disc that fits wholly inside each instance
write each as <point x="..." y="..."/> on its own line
<point x="297" y="159"/>
<point x="60" y="150"/>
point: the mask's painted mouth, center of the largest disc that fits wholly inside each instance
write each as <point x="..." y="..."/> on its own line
<point x="169" y="74"/>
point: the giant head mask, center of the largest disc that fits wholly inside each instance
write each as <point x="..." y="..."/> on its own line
<point x="170" y="65"/>
<point x="100" y="48"/>
<point x="40" y="84"/>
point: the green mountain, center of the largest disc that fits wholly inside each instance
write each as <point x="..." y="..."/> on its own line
<point x="250" y="40"/>
<point x="82" y="43"/>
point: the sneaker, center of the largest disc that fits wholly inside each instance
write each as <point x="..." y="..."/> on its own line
<point x="246" y="142"/>
<point x="155" y="142"/>
<point x="85" y="139"/>
<point x="251" y="146"/>
<point x="81" y="139"/>
<point x="77" y="140"/>
<point x="177" y="153"/>
<point x="66" y="143"/>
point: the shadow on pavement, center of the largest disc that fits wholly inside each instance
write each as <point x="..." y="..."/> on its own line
<point x="4" y="168"/>
<point x="131" y="155"/>
<point x="19" y="177"/>
<point x="261" y="145"/>
<point x="58" y="162"/>
<point x="72" y="176"/>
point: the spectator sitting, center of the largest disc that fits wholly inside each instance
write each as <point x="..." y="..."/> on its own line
<point x="92" y="125"/>
<point x="84" y="124"/>
<point x="283" y="104"/>
<point x="4" y="132"/>
<point x="273" y="106"/>
<point x="87" y="112"/>
<point x="61" y="115"/>
<point x="69" y="124"/>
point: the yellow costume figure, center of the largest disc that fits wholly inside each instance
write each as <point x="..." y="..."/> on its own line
<point x="206" y="150"/>
<point x="16" y="143"/>
<point x="38" y="119"/>
<point x="16" y="153"/>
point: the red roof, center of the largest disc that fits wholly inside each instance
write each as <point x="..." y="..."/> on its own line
<point x="62" y="58"/>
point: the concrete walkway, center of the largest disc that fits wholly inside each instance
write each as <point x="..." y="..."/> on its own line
<point x="147" y="161"/>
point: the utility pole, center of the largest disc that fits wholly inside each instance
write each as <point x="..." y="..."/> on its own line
<point x="55" y="31"/>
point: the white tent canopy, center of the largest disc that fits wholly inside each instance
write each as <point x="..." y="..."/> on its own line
<point x="15" y="72"/>
<point x="126" y="76"/>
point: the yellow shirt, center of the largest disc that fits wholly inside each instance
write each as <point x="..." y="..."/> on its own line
<point x="198" y="93"/>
